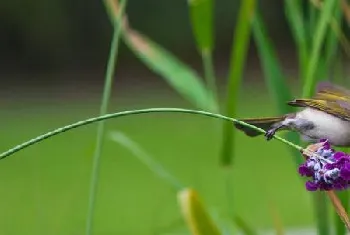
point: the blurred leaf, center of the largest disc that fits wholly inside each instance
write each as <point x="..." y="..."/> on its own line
<point x="346" y="10"/>
<point x="201" y="12"/>
<point x="318" y="39"/>
<point x="244" y="227"/>
<point x="331" y="38"/>
<point x="195" y="214"/>
<point x="183" y="79"/>
<point x="313" y="17"/>
<point x="145" y="158"/>
<point x="274" y="77"/>
<point x="237" y="62"/>
<point x="294" y="13"/>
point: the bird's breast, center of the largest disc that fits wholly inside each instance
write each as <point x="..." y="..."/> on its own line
<point x="336" y="130"/>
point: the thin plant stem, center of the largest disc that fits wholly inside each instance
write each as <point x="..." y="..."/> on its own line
<point x="209" y="73"/>
<point x="75" y="125"/>
<point x="101" y="126"/>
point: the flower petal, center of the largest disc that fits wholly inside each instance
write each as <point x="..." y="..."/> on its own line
<point x="311" y="186"/>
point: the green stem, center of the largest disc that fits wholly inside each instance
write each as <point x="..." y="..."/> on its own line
<point x="321" y="211"/>
<point x="133" y="112"/>
<point x="103" y="110"/>
<point x="209" y="73"/>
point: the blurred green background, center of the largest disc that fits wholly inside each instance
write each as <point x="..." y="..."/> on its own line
<point x="52" y="62"/>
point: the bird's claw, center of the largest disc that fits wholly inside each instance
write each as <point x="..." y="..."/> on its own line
<point x="270" y="133"/>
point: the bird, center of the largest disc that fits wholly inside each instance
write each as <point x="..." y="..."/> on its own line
<point x="326" y="115"/>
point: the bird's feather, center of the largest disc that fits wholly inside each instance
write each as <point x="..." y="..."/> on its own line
<point x="331" y="92"/>
<point x="329" y="98"/>
<point x="338" y="108"/>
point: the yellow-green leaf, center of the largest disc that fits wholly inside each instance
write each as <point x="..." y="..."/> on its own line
<point x="195" y="215"/>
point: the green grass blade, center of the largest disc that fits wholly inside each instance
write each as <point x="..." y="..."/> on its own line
<point x="103" y="110"/>
<point x="293" y="11"/>
<point x="274" y="77"/>
<point x="318" y="39"/>
<point x="72" y="126"/>
<point x="183" y="79"/>
<point x="195" y="215"/>
<point x="244" y="226"/>
<point x="237" y="62"/>
<point x="340" y="229"/>
<point x="321" y="213"/>
<point x="313" y="18"/>
<point x="332" y="42"/>
<point x="146" y="159"/>
<point x="201" y="15"/>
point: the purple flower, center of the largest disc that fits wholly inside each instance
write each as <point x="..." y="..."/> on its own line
<point x="305" y="171"/>
<point x="311" y="186"/>
<point x="327" y="169"/>
<point x="345" y="171"/>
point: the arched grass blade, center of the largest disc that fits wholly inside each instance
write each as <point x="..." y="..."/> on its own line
<point x="195" y="214"/>
<point x="274" y="77"/>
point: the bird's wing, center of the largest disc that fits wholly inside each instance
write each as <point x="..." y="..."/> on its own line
<point x="331" y="92"/>
<point x="338" y="108"/>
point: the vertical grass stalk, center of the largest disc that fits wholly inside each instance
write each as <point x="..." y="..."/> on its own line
<point x="318" y="39"/>
<point x="201" y="18"/>
<point x="237" y="60"/>
<point x="209" y="73"/>
<point x="295" y="16"/>
<point x="103" y="110"/>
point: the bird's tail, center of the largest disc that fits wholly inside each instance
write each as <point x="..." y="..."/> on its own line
<point x="263" y="123"/>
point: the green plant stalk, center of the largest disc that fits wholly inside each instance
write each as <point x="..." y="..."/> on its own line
<point x="75" y="125"/>
<point x="201" y="18"/>
<point x="340" y="229"/>
<point x="322" y="213"/>
<point x="103" y="110"/>
<point x="313" y="17"/>
<point x="238" y="56"/>
<point x="293" y="11"/>
<point x="320" y="33"/>
<point x="209" y="73"/>
<point x="332" y="40"/>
